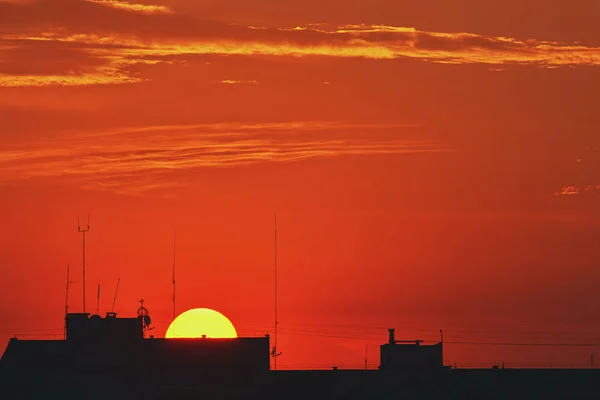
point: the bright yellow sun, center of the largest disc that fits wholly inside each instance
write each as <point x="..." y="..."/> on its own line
<point x="197" y="322"/>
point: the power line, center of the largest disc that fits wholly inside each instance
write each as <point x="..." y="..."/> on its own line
<point x="460" y="366"/>
<point x="12" y="331"/>
<point x="422" y="329"/>
<point x="417" y="329"/>
<point x="378" y="336"/>
<point x="374" y="337"/>
<point x="528" y="344"/>
<point x="453" y="342"/>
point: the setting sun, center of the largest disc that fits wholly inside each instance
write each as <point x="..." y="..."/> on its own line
<point x="199" y="322"/>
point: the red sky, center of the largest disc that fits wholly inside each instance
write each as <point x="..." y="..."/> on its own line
<point x="432" y="166"/>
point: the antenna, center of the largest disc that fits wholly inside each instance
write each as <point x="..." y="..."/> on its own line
<point x="67" y="300"/>
<point x="275" y="265"/>
<point x="83" y="231"/>
<point x="174" y="238"/>
<point x="366" y="354"/>
<point x="98" y="301"/>
<point x="143" y="316"/>
<point x="274" y="351"/>
<point x="115" y="298"/>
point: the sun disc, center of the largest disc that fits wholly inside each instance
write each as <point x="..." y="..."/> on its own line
<point x="199" y="322"/>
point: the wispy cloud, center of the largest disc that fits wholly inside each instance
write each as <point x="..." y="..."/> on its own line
<point x="110" y="74"/>
<point x="234" y="82"/>
<point x="139" y="159"/>
<point x="43" y="62"/>
<point x="124" y="34"/>
<point x="573" y="190"/>
<point x="123" y="5"/>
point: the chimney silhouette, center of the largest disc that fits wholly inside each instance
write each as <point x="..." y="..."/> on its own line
<point x="392" y="337"/>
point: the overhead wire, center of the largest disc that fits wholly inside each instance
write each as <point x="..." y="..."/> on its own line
<point x="510" y="340"/>
<point x="287" y="329"/>
<point x="414" y="328"/>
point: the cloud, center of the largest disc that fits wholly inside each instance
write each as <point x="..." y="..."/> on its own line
<point x="107" y="76"/>
<point x="146" y="9"/>
<point x="234" y="82"/>
<point x="119" y="34"/>
<point x="135" y="160"/>
<point x="573" y="190"/>
<point x="49" y="62"/>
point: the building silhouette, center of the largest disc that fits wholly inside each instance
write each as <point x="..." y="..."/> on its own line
<point x="116" y="358"/>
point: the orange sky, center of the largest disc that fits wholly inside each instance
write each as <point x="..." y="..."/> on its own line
<point x="432" y="166"/>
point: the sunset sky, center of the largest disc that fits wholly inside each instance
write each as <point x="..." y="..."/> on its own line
<point x="433" y="165"/>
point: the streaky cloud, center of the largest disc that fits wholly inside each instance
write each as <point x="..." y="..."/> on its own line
<point x="155" y="156"/>
<point x="123" y="5"/>
<point x="234" y="82"/>
<point x="126" y="34"/>
<point x="573" y="190"/>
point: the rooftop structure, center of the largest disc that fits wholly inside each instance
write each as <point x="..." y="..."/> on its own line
<point x="113" y="343"/>
<point x="110" y="358"/>
<point x="410" y="356"/>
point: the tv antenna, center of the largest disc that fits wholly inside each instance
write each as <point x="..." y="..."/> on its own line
<point x="67" y="300"/>
<point x="115" y="298"/>
<point x="98" y="301"/>
<point x="174" y="238"/>
<point x="83" y="232"/>
<point x="143" y="316"/>
<point x="442" y="344"/>
<point x="274" y="353"/>
<point x="366" y="355"/>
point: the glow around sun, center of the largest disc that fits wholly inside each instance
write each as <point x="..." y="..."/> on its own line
<point x="197" y="322"/>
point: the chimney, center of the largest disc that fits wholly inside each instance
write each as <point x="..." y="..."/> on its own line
<point x="392" y="337"/>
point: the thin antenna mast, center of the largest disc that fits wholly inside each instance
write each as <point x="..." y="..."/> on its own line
<point x="274" y="352"/>
<point x="83" y="231"/>
<point x="67" y="301"/>
<point x="174" y="238"/>
<point x="442" y="345"/>
<point x="98" y="301"/>
<point x="366" y="354"/>
<point x="115" y="298"/>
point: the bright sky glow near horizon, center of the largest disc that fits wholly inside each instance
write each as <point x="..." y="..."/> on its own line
<point x="433" y="165"/>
